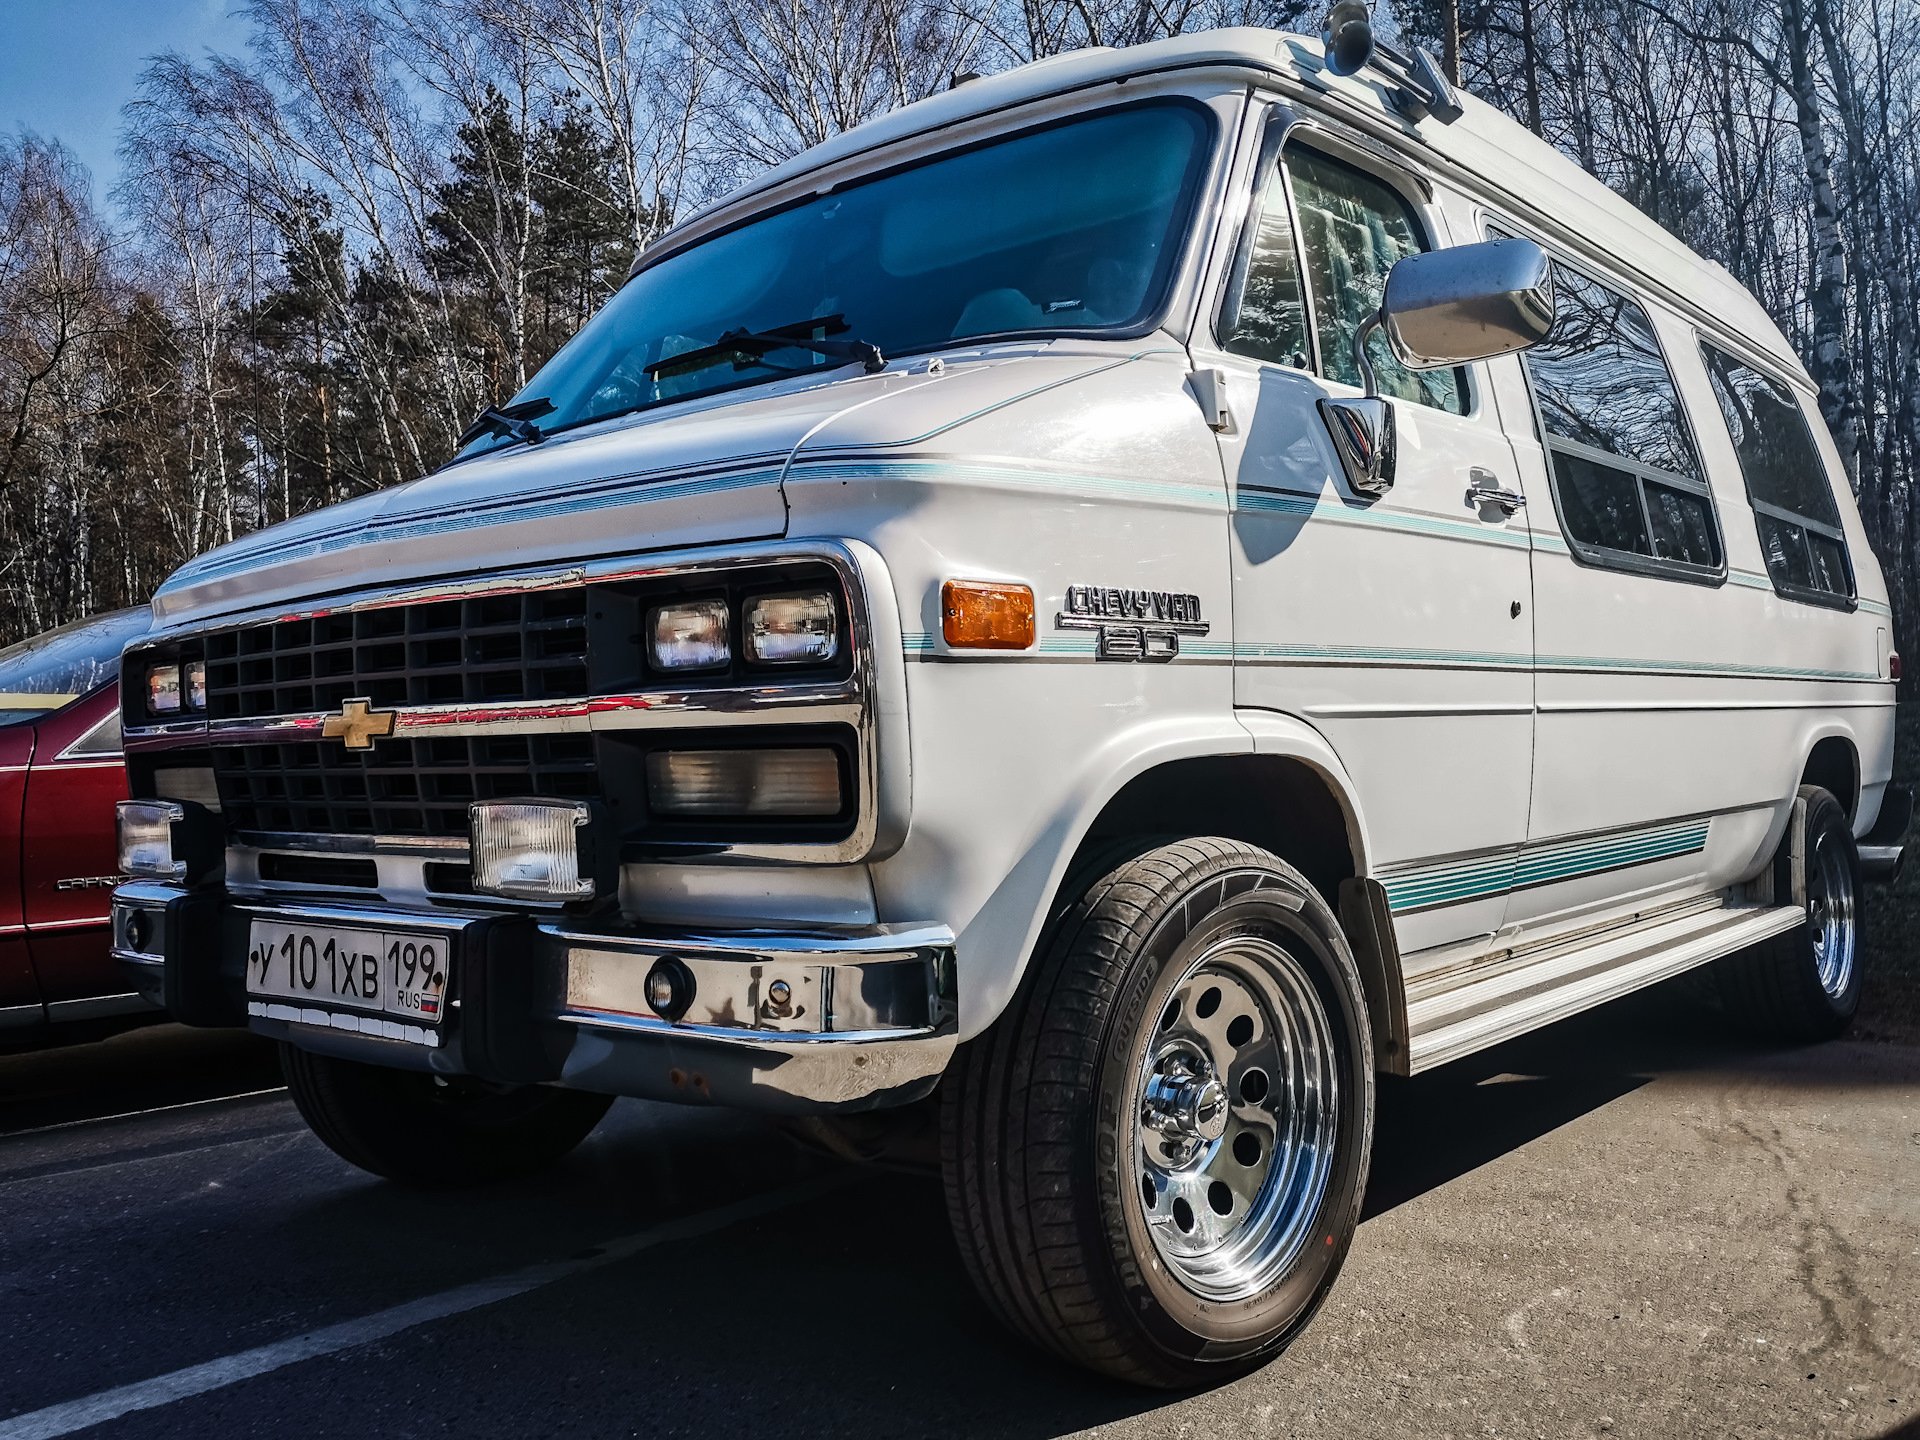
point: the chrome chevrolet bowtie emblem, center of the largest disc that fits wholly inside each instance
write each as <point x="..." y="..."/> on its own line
<point x="358" y="725"/>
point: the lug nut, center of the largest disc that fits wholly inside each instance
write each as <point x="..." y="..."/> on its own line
<point x="780" y="993"/>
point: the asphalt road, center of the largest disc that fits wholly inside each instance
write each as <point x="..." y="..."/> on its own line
<point x="1626" y="1225"/>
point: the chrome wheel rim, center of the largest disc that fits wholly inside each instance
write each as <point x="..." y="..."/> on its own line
<point x="1830" y="913"/>
<point x="1236" y="1105"/>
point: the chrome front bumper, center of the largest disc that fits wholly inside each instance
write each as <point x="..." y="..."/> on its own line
<point x="786" y="1020"/>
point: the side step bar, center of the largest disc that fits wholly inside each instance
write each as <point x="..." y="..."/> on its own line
<point x="1459" y="1014"/>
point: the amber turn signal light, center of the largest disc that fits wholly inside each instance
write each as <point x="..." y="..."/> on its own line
<point x="983" y="615"/>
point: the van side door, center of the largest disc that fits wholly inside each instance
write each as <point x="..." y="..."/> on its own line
<point x="1653" y="669"/>
<point x="1399" y="626"/>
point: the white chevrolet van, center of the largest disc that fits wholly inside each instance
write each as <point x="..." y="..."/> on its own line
<point x="1124" y="601"/>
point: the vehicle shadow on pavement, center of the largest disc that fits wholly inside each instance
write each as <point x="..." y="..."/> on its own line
<point x="848" y="1312"/>
<point x="131" y="1069"/>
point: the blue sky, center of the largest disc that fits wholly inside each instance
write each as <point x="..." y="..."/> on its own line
<point x="67" y="66"/>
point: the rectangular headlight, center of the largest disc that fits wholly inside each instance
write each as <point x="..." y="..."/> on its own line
<point x="146" y="839"/>
<point x="791" y="629"/>
<point x="690" y="635"/>
<point x="196" y="673"/>
<point x="532" y="849"/>
<point x="760" y="783"/>
<point x="163" y="689"/>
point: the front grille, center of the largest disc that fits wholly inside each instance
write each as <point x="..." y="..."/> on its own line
<point x="400" y="787"/>
<point x="530" y="645"/>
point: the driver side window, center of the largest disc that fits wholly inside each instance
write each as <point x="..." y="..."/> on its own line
<point x="1352" y="228"/>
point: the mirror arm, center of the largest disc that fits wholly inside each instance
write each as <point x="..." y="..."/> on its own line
<point x="1362" y="363"/>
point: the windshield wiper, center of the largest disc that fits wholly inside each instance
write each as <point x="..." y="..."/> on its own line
<point x="758" y="344"/>
<point x="512" y="422"/>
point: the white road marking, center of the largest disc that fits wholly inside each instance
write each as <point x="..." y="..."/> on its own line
<point x="139" y="1114"/>
<point x="74" y="1415"/>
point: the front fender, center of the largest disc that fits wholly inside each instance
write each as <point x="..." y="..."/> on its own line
<point x="993" y="868"/>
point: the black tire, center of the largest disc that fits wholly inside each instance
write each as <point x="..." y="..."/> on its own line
<point x="417" y="1129"/>
<point x="1041" y="1134"/>
<point x="1776" y="990"/>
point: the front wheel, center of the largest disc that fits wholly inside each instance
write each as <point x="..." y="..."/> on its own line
<point x="1155" y="1159"/>
<point x="431" y="1131"/>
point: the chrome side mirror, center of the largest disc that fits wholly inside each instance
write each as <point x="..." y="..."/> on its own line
<point x="1440" y="308"/>
<point x="1447" y="307"/>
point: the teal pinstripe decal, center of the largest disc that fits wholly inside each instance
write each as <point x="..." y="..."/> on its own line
<point x="1313" y="507"/>
<point x="1876" y="607"/>
<point x="1302" y="653"/>
<point x="1374" y="655"/>
<point x="1543" y="863"/>
<point x="545" y="508"/>
<point x="1098" y="487"/>
<point x="1708" y="669"/>
<point x="1749" y="579"/>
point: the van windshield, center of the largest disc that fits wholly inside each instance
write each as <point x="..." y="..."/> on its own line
<point x="1070" y="228"/>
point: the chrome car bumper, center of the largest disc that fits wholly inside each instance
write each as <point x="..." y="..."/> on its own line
<point x="788" y="1020"/>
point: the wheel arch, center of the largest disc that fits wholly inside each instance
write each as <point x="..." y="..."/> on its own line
<point x="1833" y="763"/>
<point x="1291" y="796"/>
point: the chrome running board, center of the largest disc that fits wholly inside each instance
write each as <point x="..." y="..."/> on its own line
<point x="1456" y="1014"/>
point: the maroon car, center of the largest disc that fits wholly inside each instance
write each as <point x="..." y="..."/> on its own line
<point x="60" y="777"/>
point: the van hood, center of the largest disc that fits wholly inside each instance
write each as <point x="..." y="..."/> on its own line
<point x="668" y="480"/>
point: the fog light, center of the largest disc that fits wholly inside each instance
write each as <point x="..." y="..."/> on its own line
<point x="136" y="931"/>
<point x="689" y="636"/>
<point x="669" y="988"/>
<point x="745" y="782"/>
<point x="791" y="629"/>
<point x="533" y="849"/>
<point x="146" y="839"/>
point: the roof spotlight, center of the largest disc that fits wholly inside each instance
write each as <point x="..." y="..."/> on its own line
<point x="1347" y="32"/>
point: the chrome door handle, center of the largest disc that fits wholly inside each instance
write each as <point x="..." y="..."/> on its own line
<point x="1488" y="492"/>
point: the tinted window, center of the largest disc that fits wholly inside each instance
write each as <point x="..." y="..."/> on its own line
<point x="1626" y="476"/>
<point x="1354" y="228"/>
<point x="1071" y="228"/>
<point x="1600" y="379"/>
<point x="1793" y="503"/>
<point x="50" y="670"/>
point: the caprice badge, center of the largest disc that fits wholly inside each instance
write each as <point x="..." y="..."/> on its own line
<point x="1133" y="624"/>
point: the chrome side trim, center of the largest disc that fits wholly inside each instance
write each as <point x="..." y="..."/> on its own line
<point x="641" y="710"/>
<point x="98" y="1007"/>
<point x="427" y="847"/>
<point x="20" y="1016"/>
<point x="879" y="814"/>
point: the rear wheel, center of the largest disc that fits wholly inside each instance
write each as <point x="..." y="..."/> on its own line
<point x="435" y="1131"/>
<point x="1805" y="985"/>
<point x="1155" y="1159"/>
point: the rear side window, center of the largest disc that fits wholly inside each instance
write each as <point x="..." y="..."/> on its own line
<point x="1626" y="477"/>
<point x="1793" y="504"/>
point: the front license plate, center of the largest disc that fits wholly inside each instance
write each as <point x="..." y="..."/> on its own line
<point x="386" y="972"/>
